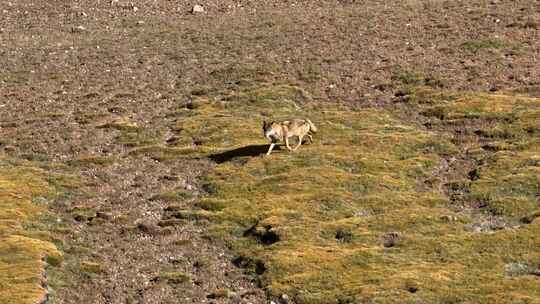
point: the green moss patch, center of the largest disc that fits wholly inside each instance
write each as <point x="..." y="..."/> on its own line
<point x="91" y="267"/>
<point x="507" y="147"/>
<point x="92" y="160"/>
<point x="23" y="251"/>
<point x="349" y="217"/>
<point x="173" y="196"/>
<point x="476" y="45"/>
<point x="174" y="277"/>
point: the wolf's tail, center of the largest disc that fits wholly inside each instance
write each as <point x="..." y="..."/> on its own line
<point x="312" y="127"/>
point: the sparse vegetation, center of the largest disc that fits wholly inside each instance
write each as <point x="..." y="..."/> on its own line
<point x="91" y="267"/>
<point x="368" y="159"/>
<point x="24" y="251"/>
<point x="174" y="277"/>
<point x="476" y="45"/>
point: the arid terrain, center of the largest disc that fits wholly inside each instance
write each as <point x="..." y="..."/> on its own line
<point x="132" y="167"/>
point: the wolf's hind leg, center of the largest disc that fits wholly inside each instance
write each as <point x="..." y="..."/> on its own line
<point x="299" y="143"/>
<point x="310" y="138"/>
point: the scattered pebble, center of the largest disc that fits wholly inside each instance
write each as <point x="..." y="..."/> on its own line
<point x="104" y="215"/>
<point x="519" y="269"/>
<point x="197" y="9"/>
<point x="390" y="239"/>
<point x="222" y="293"/>
<point x="448" y="218"/>
<point x="78" y="29"/>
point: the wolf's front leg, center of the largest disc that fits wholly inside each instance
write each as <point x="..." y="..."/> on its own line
<point x="270" y="149"/>
<point x="287" y="144"/>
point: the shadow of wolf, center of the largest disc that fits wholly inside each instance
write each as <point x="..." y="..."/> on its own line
<point x="251" y="151"/>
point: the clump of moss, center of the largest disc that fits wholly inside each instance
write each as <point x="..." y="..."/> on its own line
<point x="211" y="204"/>
<point x="200" y="90"/>
<point x="131" y="134"/>
<point x="173" y="196"/>
<point x="171" y="222"/>
<point x="92" y="160"/>
<point x="91" y="267"/>
<point x="161" y="153"/>
<point x="174" y="277"/>
<point x="23" y="254"/>
<point x="476" y="45"/>
<point x="121" y="124"/>
<point x="221" y="293"/>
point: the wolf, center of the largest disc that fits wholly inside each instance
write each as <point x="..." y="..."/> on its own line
<point x="283" y="130"/>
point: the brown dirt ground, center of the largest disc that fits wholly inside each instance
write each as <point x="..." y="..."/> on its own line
<point x="69" y="67"/>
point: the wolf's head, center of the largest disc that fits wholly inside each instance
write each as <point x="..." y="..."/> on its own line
<point x="271" y="130"/>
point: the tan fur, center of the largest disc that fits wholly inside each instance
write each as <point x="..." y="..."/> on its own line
<point x="283" y="130"/>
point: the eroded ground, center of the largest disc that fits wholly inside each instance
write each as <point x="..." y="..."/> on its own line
<point x="137" y="125"/>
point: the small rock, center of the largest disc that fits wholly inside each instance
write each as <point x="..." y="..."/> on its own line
<point x="104" y="215"/>
<point x="530" y="218"/>
<point x="531" y="24"/>
<point x="197" y="9"/>
<point x="92" y="267"/>
<point x="172" y="140"/>
<point x="411" y="287"/>
<point x="361" y="213"/>
<point x="169" y="178"/>
<point x="9" y="148"/>
<point x="448" y="218"/>
<point x="284" y="299"/>
<point x="148" y="228"/>
<point x="78" y="29"/>
<point x="390" y="239"/>
<point x="222" y="293"/>
<point x="173" y="277"/>
<point x="200" y="264"/>
<point x="490" y="224"/>
<point x="519" y="269"/>
<point x="171" y="222"/>
<point x="344" y="236"/>
<point x="173" y="208"/>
